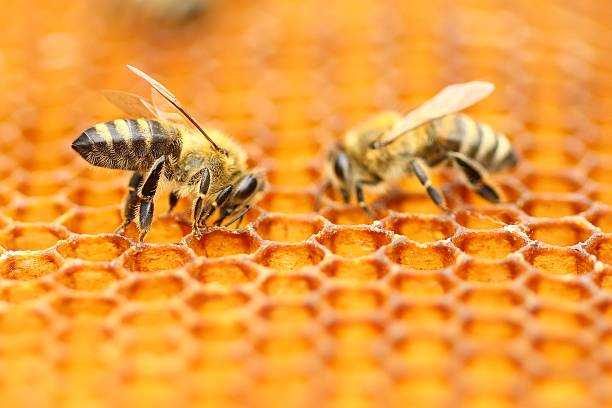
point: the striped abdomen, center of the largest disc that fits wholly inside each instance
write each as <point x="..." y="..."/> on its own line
<point x="478" y="141"/>
<point x="128" y="144"/>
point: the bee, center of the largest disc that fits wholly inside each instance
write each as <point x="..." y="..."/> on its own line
<point x="163" y="144"/>
<point x="389" y="146"/>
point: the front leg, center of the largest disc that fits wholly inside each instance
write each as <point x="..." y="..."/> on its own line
<point x="421" y="174"/>
<point x="146" y="195"/>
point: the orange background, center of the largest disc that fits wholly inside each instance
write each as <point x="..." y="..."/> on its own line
<point x="490" y="306"/>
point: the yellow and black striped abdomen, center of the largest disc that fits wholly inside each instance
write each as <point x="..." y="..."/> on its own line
<point x="478" y="141"/>
<point x="128" y="144"/>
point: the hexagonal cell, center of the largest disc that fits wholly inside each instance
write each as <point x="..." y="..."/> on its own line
<point x="600" y="173"/>
<point x="93" y="221"/>
<point x="558" y="320"/>
<point x="291" y="315"/>
<point x="166" y="229"/>
<point x="559" y="261"/>
<point x="423" y="352"/>
<point x="551" y="182"/>
<point x="45" y="209"/>
<point x="220" y="242"/>
<point x="225" y="272"/>
<point x="31" y="237"/>
<point x="158" y="258"/>
<point x="288" y="286"/>
<point x="285" y="228"/>
<point x="603" y="278"/>
<point x="478" y="270"/>
<point x="487" y="218"/>
<point x="602" y="218"/>
<point x="552" y="157"/>
<point x="559" y="352"/>
<point x="354" y="242"/>
<point x="151" y="317"/>
<point x="493" y="299"/>
<point x="493" y="330"/>
<point x="554" y="207"/>
<point x="290" y="257"/>
<point x="602" y="249"/>
<point x="219" y="304"/>
<point x="361" y="270"/>
<point x="84" y="308"/>
<point x="22" y="320"/>
<point x="423" y="316"/>
<point x="422" y="257"/>
<point x="422" y="228"/>
<point x="355" y="331"/>
<point x="24" y="291"/>
<point x="562" y="233"/>
<point x="97" y="195"/>
<point x="460" y="195"/>
<point x="221" y="332"/>
<point x="421" y="285"/>
<point x="558" y="390"/>
<point x="89" y="277"/>
<point x="558" y="290"/>
<point x="424" y="389"/>
<point x="491" y="371"/>
<point x="284" y="347"/>
<point x="98" y="248"/>
<point x="153" y="288"/>
<point x="41" y="183"/>
<point x="490" y="244"/>
<point x="346" y="215"/>
<point x="27" y="266"/>
<point x="288" y="202"/>
<point x="413" y="203"/>
<point x="349" y="300"/>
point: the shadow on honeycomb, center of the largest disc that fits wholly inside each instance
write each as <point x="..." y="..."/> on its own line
<point x="492" y="306"/>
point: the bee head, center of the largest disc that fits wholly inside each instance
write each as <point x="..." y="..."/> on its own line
<point x="341" y="171"/>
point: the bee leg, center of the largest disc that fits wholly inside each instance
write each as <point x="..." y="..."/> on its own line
<point x="477" y="177"/>
<point x="320" y="192"/>
<point x="147" y="192"/>
<point x="220" y="199"/>
<point x="361" y="200"/>
<point x="239" y="217"/>
<point x="421" y="174"/>
<point x="198" y="206"/>
<point x="173" y="200"/>
<point x="131" y="202"/>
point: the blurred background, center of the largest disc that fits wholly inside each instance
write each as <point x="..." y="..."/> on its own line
<point x="299" y="309"/>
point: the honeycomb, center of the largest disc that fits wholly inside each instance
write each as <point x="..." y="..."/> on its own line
<point x="490" y="306"/>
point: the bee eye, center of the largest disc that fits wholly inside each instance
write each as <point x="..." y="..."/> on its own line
<point x="246" y="187"/>
<point x="342" y="166"/>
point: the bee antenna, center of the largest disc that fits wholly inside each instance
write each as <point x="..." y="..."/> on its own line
<point x="169" y="96"/>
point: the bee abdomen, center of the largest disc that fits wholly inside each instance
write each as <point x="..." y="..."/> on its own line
<point x="127" y="144"/>
<point x="480" y="142"/>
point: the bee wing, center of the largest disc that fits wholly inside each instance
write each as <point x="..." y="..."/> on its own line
<point x="134" y="105"/>
<point x="168" y="96"/>
<point x="453" y="98"/>
<point x="166" y="110"/>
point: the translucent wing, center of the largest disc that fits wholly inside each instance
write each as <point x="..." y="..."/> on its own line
<point x="134" y="105"/>
<point x="166" y="110"/>
<point x="453" y="98"/>
<point x="163" y="91"/>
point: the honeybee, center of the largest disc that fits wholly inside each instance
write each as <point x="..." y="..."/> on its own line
<point x="389" y="146"/>
<point x="163" y="143"/>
